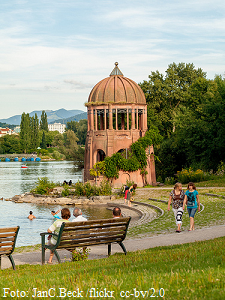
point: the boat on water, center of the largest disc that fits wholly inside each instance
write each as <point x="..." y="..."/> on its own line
<point x="24" y="166"/>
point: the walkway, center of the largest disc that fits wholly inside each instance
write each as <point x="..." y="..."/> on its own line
<point x="130" y="244"/>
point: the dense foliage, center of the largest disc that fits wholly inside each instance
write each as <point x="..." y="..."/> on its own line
<point x="80" y="129"/>
<point x="189" y="111"/>
<point x="136" y="156"/>
<point x="43" y="186"/>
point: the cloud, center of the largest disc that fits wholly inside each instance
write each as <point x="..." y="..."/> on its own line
<point x="78" y="84"/>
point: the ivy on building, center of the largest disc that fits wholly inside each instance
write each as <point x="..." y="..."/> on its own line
<point x="136" y="157"/>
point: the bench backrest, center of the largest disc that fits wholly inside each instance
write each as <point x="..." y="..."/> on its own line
<point x="88" y="233"/>
<point x="8" y="239"/>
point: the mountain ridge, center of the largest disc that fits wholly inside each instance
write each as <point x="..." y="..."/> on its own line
<point x="52" y="115"/>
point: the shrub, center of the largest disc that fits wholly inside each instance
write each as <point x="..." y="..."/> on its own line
<point x="86" y="189"/>
<point x="66" y="191"/>
<point x="170" y="180"/>
<point x="187" y="175"/>
<point x="43" y="186"/>
<point x="80" y="254"/>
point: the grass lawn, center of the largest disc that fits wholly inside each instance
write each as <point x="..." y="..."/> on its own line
<point x="213" y="213"/>
<point x="189" y="271"/>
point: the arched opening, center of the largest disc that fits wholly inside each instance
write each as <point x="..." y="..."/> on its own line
<point x="100" y="155"/>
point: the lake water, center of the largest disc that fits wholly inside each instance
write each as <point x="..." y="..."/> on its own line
<point x="14" y="180"/>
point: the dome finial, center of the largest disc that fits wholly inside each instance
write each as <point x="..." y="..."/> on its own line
<point x="116" y="70"/>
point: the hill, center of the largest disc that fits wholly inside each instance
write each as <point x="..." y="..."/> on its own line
<point x="52" y="115"/>
<point x="73" y="118"/>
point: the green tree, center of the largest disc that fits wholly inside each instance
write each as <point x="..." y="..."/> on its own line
<point x="43" y="144"/>
<point x="80" y="129"/>
<point x="10" y="144"/>
<point x="165" y="95"/>
<point x="25" y="132"/>
<point x="44" y="121"/>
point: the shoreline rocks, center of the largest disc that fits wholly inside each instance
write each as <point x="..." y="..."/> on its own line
<point x="59" y="200"/>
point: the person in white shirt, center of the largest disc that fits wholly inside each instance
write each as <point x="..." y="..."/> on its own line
<point x="78" y="215"/>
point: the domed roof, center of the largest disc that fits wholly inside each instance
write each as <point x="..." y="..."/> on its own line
<point x="116" y="89"/>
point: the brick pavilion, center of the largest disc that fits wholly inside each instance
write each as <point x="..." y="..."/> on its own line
<point x="117" y="117"/>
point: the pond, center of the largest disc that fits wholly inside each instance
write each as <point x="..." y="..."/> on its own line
<point x="14" y="180"/>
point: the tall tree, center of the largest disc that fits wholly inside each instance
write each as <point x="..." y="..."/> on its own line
<point x="25" y="132"/>
<point x="165" y="95"/>
<point x="44" y="121"/>
<point x="43" y="141"/>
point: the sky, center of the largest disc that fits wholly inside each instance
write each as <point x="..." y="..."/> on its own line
<point x="52" y="53"/>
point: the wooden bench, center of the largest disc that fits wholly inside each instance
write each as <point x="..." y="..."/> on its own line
<point x="88" y="233"/>
<point x="7" y="243"/>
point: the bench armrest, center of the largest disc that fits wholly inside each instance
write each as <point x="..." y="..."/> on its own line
<point x="47" y="233"/>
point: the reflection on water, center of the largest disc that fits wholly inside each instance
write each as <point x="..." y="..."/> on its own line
<point x="14" y="180"/>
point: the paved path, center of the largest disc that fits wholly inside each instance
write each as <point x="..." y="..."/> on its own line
<point x="130" y="244"/>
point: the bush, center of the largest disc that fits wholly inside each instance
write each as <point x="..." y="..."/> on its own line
<point x="189" y="175"/>
<point x="80" y="254"/>
<point x="43" y="186"/>
<point x="170" y="181"/>
<point x="86" y="189"/>
<point x="66" y="191"/>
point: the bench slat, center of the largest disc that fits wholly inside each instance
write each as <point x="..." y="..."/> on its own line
<point x="6" y="244"/>
<point x="2" y="240"/>
<point x="88" y="243"/>
<point x="3" y="250"/>
<point x="94" y="230"/>
<point x="100" y="222"/>
<point x="9" y="229"/>
<point x="92" y="234"/>
<point x="87" y="226"/>
<point x="7" y="235"/>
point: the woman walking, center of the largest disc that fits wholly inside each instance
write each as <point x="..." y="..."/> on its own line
<point x="177" y="199"/>
<point x="191" y="199"/>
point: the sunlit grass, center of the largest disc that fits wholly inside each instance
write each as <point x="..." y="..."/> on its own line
<point x="213" y="213"/>
<point x="189" y="271"/>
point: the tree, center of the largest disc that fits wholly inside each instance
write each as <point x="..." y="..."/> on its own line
<point x="43" y="141"/>
<point x="80" y="129"/>
<point x="165" y="95"/>
<point x="25" y="132"/>
<point x="10" y="144"/>
<point x="44" y="121"/>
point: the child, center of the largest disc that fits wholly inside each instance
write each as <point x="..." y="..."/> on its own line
<point x="191" y="199"/>
<point x="55" y="214"/>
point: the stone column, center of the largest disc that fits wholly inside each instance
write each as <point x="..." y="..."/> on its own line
<point x="92" y="118"/>
<point x="88" y="116"/>
<point x="105" y="120"/>
<point x="96" y="119"/>
<point x="133" y="118"/>
<point x="110" y="117"/>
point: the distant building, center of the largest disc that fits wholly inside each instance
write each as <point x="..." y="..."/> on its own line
<point x="17" y="129"/>
<point x="4" y="131"/>
<point x="57" y="126"/>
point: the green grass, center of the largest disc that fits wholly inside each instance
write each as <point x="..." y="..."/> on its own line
<point x="213" y="214"/>
<point x="28" y="248"/>
<point x="189" y="271"/>
<point x="217" y="182"/>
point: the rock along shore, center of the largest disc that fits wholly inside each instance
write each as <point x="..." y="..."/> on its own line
<point x="59" y="200"/>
